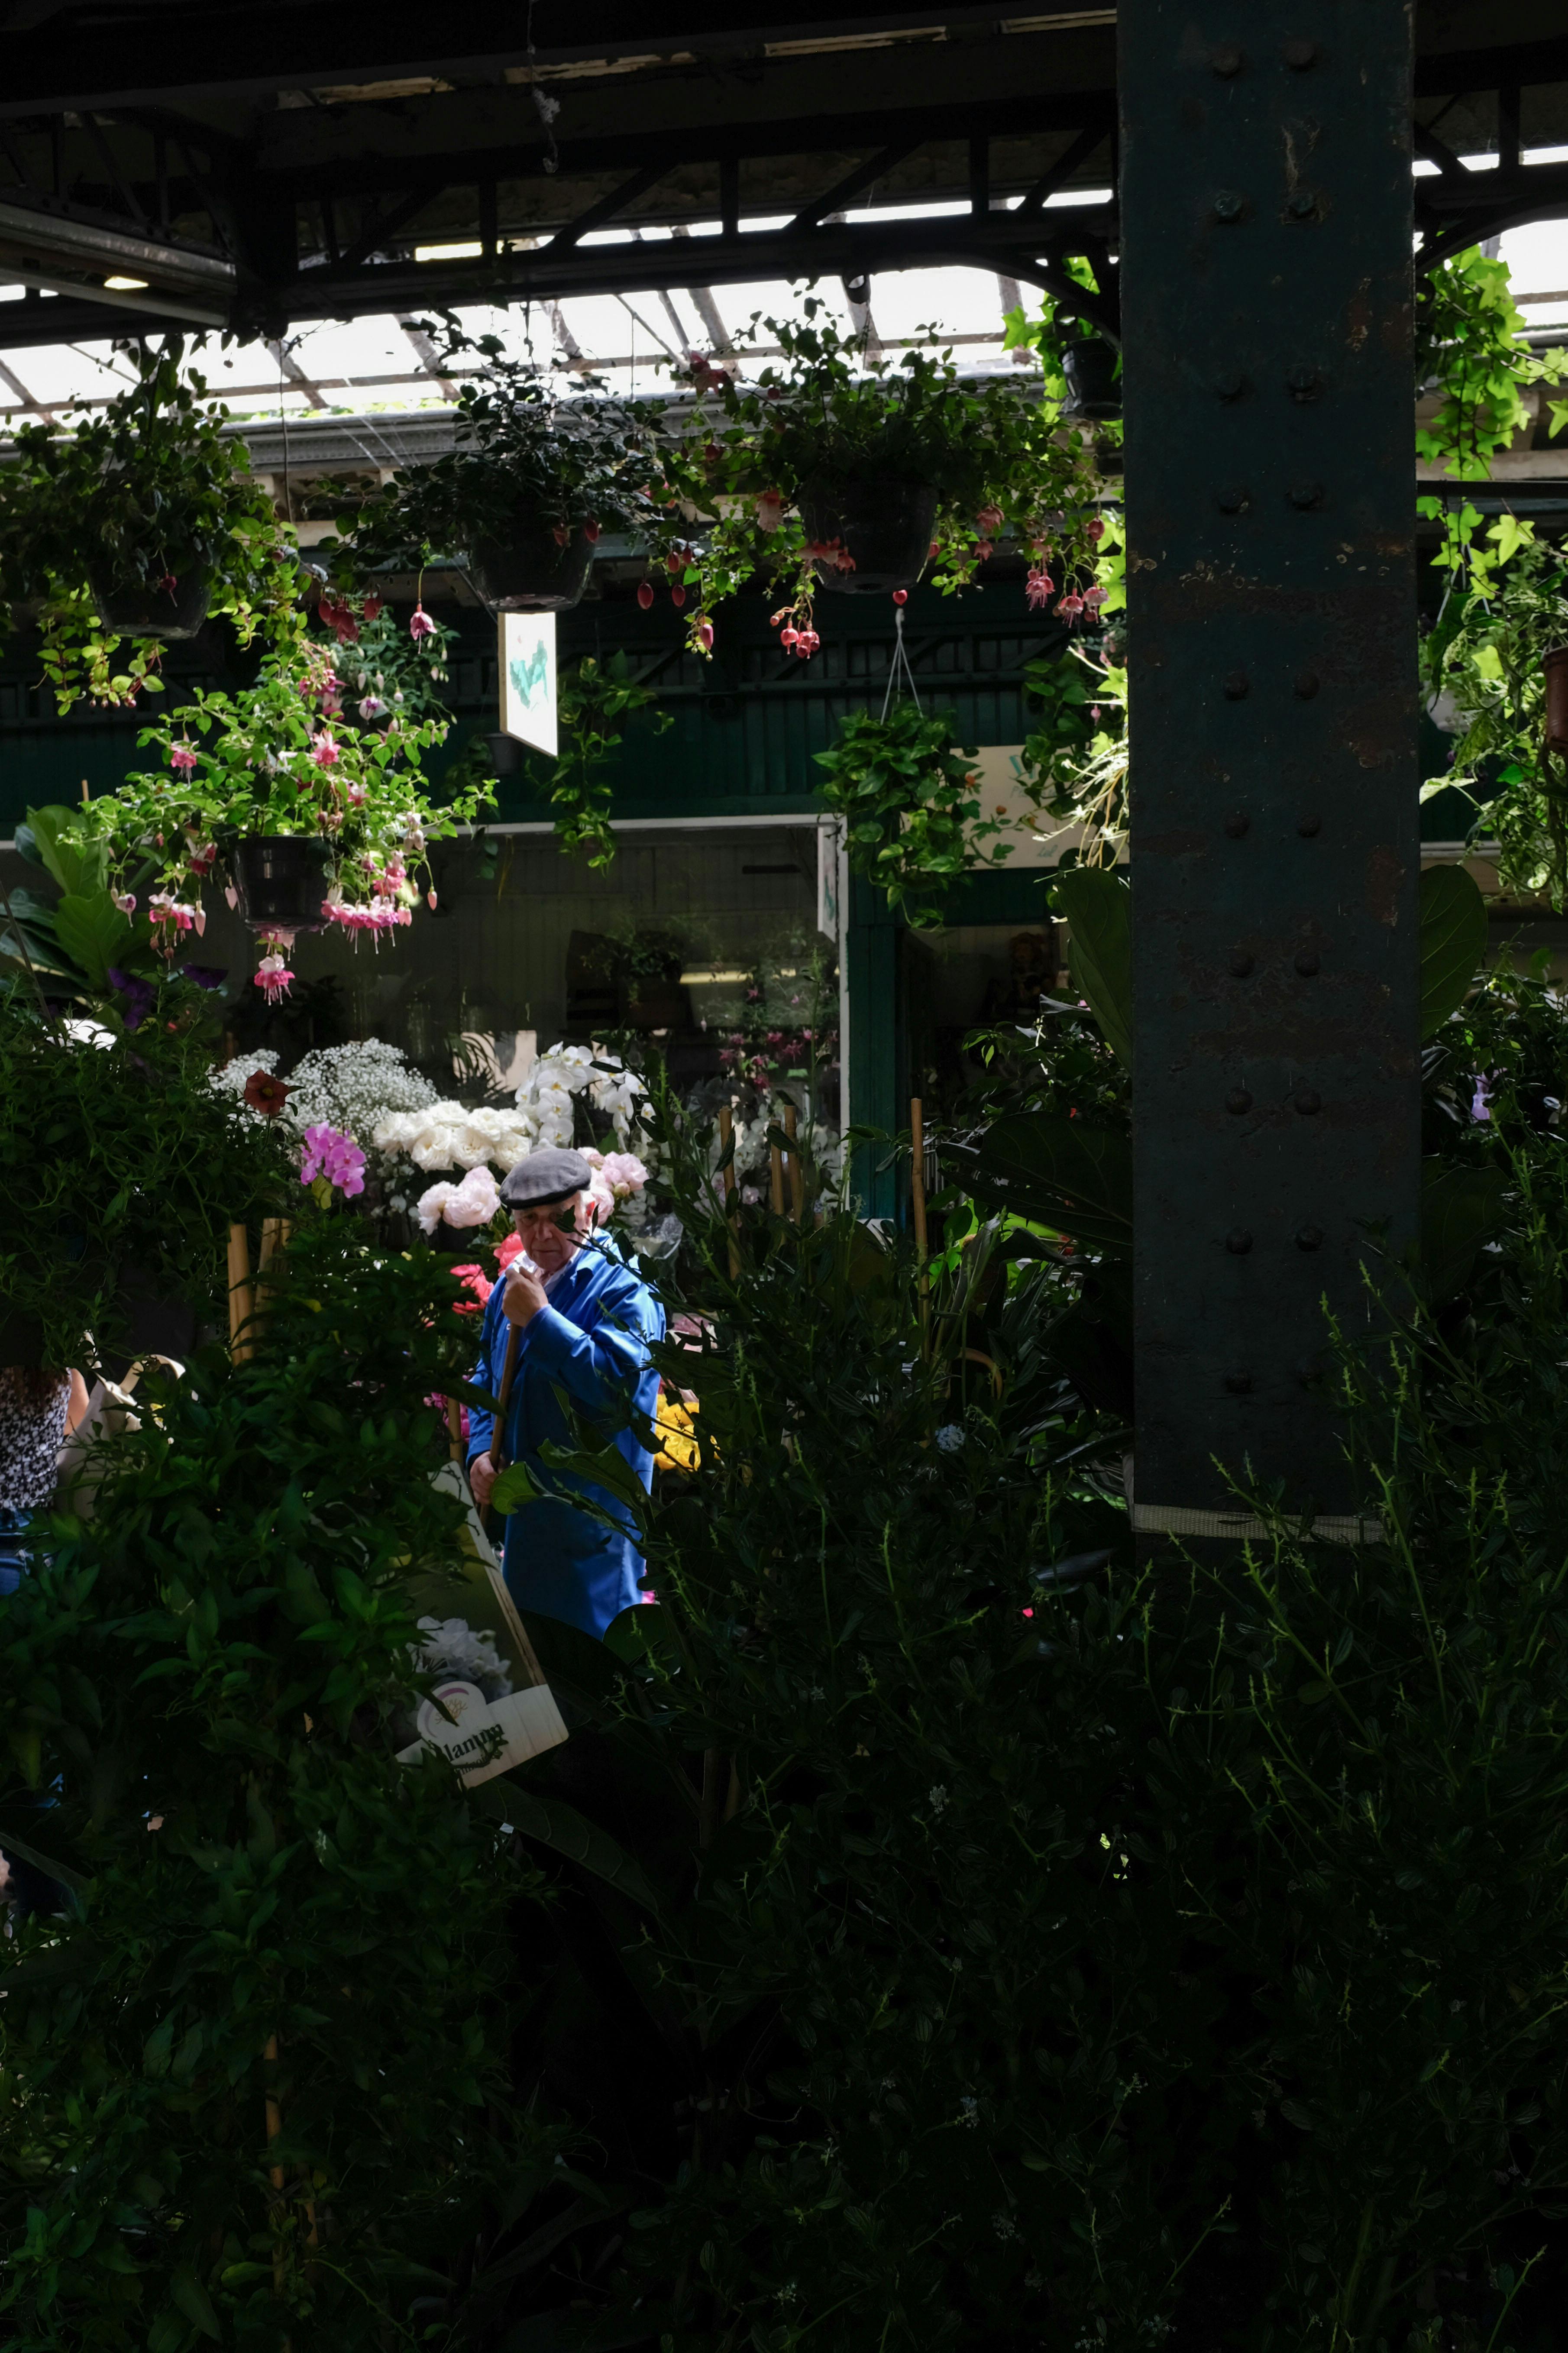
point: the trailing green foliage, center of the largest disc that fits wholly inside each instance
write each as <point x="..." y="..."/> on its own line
<point x="250" y="2072"/>
<point x="118" y="1163"/>
<point x="143" y="496"/>
<point x="910" y="801"/>
<point x="595" y="702"/>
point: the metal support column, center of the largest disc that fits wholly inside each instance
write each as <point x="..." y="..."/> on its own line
<point x="1266" y="293"/>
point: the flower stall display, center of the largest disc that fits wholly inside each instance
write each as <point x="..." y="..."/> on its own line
<point x="338" y="1090"/>
<point x="756" y="1110"/>
<point x="833" y="469"/>
<point x="455" y="1135"/>
<point x="525" y="492"/>
<point x="138" y="524"/>
<point x="308" y="818"/>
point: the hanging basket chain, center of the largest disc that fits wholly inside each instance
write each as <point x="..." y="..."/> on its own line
<point x="900" y="666"/>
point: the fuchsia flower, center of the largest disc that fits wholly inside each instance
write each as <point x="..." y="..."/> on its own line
<point x="1096" y="529"/>
<point x="273" y="976"/>
<point x="1072" y="605"/>
<point x="331" y="1152"/>
<point x="126" y="902"/>
<point x="182" y="756"/>
<point x="705" y="633"/>
<point x="420" y="624"/>
<point x="325" y="752"/>
<point x="163" y="907"/>
<point x="988" y="521"/>
<point x="1039" y="588"/>
<point x="644" y="593"/>
<point x="1093" y="598"/>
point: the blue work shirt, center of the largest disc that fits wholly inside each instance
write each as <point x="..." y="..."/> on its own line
<point x="586" y="1352"/>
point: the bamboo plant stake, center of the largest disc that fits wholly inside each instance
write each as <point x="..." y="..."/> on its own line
<point x="726" y="1137"/>
<point x="775" y="1180"/>
<point x="241" y="1296"/>
<point x="918" y="1205"/>
<point x="796" y="1167"/>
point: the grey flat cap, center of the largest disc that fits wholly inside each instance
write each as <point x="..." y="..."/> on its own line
<point x="546" y="1178"/>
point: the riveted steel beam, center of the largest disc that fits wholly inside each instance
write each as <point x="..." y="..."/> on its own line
<point x="1266" y="294"/>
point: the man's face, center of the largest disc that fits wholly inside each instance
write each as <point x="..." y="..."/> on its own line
<point x="550" y="1232"/>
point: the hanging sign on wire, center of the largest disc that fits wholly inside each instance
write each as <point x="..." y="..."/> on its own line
<point x="527" y="650"/>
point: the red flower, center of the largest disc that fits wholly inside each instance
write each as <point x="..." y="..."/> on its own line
<point x="644" y="593"/>
<point x="264" y="1093"/>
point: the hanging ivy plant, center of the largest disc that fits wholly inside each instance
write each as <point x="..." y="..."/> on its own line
<point x="909" y="798"/>
<point x="594" y="701"/>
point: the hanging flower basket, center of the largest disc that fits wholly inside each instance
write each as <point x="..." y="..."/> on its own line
<point x="532" y="570"/>
<point x="1094" y="388"/>
<point x="166" y="609"/>
<point x="281" y="879"/>
<point x="880" y="525"/>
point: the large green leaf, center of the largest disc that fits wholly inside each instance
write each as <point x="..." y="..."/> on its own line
<point x="92" y="929"/>
<point x="194" y="2301"/>
<point x="1058" y="1173"/>
<point x="1098" y="909"/>
<point x="75" y="866"/>
<point x="1453" y="941"/>
<point x="558" y="1825"/>
<point x="34" y="929"/>
<point x="1460" y="1209"/>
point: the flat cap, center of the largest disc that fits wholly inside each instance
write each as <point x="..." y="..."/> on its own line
<point x="546" y="1178"/>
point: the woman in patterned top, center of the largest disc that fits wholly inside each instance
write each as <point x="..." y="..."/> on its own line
<point x="37" y="1409"/>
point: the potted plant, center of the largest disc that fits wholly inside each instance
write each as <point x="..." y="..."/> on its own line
<point x="910" y="802"/>
<point x="835" y="469"/>
<point x="523" y="496"/>
<point x="138" y="524"/>
<point x="309" y="818"/>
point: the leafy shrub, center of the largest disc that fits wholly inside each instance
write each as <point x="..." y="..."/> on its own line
<point x="251" y="2077"/>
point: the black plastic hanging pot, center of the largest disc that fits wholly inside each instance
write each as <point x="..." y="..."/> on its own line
<point x="281" y="880"/>
<point x="1094" y="388"/>
<point x="506" y="754"/>
<point x="149" y="608"/>
<point x="882" y="522"/>
<point x="529" y="570"/>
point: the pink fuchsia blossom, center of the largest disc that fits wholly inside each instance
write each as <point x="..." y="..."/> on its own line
<point x="1072" y="605"/>
<point x="325" y="753"/>
<point x="163" y="908"/>
<point x="988" y="521"/>
<point x="1096" y="530"/>
<point x="420" y="625"/>
<point x="1039" y="588"/>
<point x="372" y="707"/>
<point x="1093" y="598"/>
<point x="126" y="902"/>
<point x="273" y="977"/>
<point x="331" y="1152"/>
<point x="182" y="756"/>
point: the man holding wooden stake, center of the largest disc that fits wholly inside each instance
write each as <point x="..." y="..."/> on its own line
<point x="565" y="1343"/>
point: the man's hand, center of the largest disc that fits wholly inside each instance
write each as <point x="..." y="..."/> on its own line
<point x="482" y="1477"/>
<point x="523" y="1296"/>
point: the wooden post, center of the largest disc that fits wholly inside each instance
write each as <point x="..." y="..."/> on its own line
<point x="797" y="1169"/>
<point x="498" y="1443"/>
<point x="241" y="1296"/>
<point x="775" y="1180"/>
<point x="918" y="1205"/>
<point x="726" y="1136"/>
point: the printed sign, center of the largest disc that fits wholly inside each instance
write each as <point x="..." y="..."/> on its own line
<point x="481" y="1737"/>
<point x="527" y="651"/>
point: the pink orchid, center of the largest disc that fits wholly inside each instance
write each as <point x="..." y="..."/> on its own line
<point x="331" y="1152"/>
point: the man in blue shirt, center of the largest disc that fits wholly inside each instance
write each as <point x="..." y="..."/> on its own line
<point x="584" y="1321"/>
